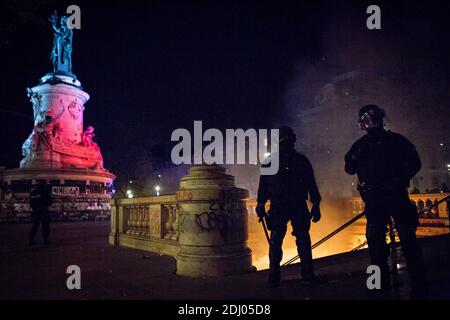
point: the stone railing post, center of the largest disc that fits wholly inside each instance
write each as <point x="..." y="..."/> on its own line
<point x="115" y="223"/>
<point x="212" y="224"/>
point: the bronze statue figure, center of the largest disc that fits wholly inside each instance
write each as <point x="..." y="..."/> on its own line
<point x="61" y="55"/>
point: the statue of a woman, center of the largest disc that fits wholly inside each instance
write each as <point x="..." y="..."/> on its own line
<point x="61" y="55"/>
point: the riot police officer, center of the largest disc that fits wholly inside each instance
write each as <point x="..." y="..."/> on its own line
<point x="40" y="200"/>
<point x="287" y="191"/>
<point x="385" y="162"/>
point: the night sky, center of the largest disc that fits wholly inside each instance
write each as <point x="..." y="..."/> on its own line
<point x="153" y="66"/>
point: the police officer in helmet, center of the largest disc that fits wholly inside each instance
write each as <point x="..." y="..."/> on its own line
<point x="40" y="200"/>
<point x="287" y="191"/>
<point x="385" y="162"/>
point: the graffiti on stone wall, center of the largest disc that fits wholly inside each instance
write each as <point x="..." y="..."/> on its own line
<point x="219" y="216"/>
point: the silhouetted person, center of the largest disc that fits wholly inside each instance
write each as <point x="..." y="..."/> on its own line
<point x="288" y="191"/>
<point x="385" y="162"/>
<point x="40" y="200"/>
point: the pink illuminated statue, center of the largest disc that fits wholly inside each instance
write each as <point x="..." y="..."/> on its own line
<point x="45" y="132"/>
<point x="87" y="137"/>
<point x="59" y="141"/>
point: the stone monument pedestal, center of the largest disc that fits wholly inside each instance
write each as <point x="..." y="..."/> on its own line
<point x="59" y="148"/>
<point x="60" y="151"/>
<point x="58" y="137"/>
<point x="213" y="224"/>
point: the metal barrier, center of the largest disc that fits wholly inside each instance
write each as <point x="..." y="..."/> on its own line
<point x="360" y="246"/>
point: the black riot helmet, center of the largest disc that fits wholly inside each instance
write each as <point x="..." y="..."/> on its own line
<point x="287" y="134"/>
<point x="371" y="116"/>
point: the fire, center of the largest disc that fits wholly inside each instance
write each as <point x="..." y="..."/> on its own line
<point x="343" y="242"/>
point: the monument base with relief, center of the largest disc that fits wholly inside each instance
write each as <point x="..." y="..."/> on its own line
<point x="60" y="149"/>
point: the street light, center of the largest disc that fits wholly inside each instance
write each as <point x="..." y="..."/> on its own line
<point x="157" y="189"/>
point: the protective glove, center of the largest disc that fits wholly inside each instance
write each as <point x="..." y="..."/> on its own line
<point x="315" y="213"/>
<point x="261" y="211"/>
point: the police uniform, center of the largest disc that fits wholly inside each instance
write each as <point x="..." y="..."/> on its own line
<point x="288" y="191"/>
<point x="385" y="162"/>
<point x="40" y="200"/>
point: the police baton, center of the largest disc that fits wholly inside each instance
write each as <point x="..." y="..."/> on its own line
<point x="263" y="222"/>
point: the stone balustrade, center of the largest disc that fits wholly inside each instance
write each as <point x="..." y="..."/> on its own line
<point x="422" y="201"/>
<point x="148" y="223"/>
<point x="152" y="223"/>
<point x="204" y="225"/>
<point x="433" y="222"/>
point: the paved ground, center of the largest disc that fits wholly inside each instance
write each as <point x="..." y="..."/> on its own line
<point x="108" y="272"/>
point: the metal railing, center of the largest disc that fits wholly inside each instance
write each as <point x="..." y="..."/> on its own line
<point x="359" y="246"/>
<point x="353" y="220"/>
